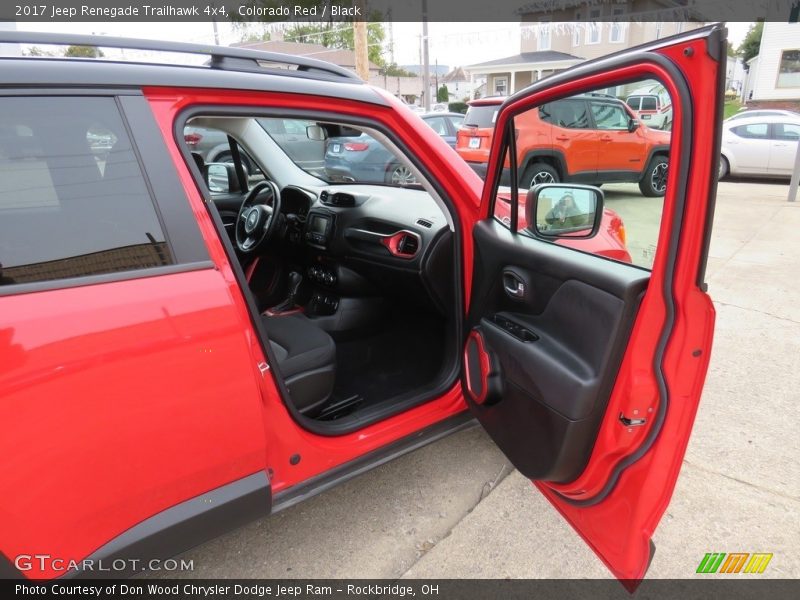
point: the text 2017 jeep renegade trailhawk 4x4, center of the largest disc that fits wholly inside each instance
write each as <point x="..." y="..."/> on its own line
<point x="186" y="345"/>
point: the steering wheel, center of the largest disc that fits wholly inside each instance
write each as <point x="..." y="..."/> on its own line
<point x="258" y="218"/>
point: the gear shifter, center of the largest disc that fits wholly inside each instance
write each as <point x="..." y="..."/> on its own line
<point x="295" y="279"/>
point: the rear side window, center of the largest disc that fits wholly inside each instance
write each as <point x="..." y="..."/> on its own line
<point x="73" y="201"/>
<point x="481" y="116"/>
<point x="609" y="116"/>
<point x="753" y="130"/>
<point x="787" y="131"/>
<point x="567" y="113"/>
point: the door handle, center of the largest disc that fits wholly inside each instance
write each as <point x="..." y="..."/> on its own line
<point x="562" y="138"/>
<point x="606" y="138"/>
<point x="513" y="285"/>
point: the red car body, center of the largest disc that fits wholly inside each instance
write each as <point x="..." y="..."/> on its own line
<point x="127" y="398"/>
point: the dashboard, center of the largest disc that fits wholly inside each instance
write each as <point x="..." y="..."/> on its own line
<point x="362" y="240"/>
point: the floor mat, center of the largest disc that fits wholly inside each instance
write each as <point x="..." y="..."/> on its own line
<point x="407" y="354"/>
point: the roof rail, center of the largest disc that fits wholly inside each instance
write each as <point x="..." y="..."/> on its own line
<point x="222" y="57"/>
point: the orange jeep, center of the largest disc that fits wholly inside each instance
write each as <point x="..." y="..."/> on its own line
<point x="589" y="138"/>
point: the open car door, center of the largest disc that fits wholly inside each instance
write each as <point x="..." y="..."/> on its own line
<point x="587" y="372"/>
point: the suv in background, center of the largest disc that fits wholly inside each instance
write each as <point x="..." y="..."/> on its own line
<point x="589" y="138"/>
<point x="653" y="106"/>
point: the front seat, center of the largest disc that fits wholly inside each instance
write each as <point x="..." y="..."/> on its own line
<point x="306" y="358"/>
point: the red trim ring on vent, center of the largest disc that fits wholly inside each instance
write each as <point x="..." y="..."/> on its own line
<point x="396" y="245"/>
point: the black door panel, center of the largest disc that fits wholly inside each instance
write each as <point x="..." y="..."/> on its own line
<point x="555" y="349"/>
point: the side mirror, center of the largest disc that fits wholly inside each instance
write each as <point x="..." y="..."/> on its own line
<point x="564" y="210"/>
<point x="316" y="133"/>
<point x="220" y="178"/>
<point x="633" y="125"/>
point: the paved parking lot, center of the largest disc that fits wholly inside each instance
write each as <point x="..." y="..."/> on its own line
<point x="456" y="508"/>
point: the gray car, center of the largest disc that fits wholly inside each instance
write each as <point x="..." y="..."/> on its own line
<point x="289" y="134"/>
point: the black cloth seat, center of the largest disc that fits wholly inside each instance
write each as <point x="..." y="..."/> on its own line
<point x="306" y="358"/>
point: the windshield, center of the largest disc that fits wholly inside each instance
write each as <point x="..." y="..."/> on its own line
<point x="339" y="154"/>
<point x="481" y="116"/>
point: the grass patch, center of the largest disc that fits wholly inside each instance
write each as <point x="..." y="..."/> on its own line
<point x="731" y="108"/>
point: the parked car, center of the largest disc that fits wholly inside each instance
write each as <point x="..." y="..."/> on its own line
<point x="590" y="138"/>
<point x="162" y="383"/>
<point x="213" y="146"/>
<point x="653" y="106"/>
<point x="762" y="146"/>
<point x="763" y="112"/>
<point x="446" y="124"/>
<point x="363" y="159"/>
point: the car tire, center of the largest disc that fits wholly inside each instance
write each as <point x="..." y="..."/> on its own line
<point x="724" y="168"/>
<point x="538" y="173"/>
<point x="654" y="182"/>
<point x="397" y="174"/>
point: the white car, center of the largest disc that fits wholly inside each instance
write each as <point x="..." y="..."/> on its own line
<point x="763" y="112"/>
<point x="761" y="146"/>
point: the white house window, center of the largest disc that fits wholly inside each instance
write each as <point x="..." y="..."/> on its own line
<point x="576" y="29"/>
<point x="501" y="86"/>
<point x="544" y="35"/>
<point x="617" y="28"/>
<point x="789" y="69"/>
<point x="593" y="34"/>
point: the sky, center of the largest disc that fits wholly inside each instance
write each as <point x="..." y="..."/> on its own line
<point x="451" y="44"/>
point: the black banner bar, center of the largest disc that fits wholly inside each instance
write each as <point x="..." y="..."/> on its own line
<point x="736" y="587"/>
<point x="394" y="10"/>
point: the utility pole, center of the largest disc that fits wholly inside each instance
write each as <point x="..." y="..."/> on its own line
<point x="436" y="79"/>
<point x="216" y="33"/>
<point x="426" y="65"/>
<point x="795" y="176"/>
<point x="360" y="42"/>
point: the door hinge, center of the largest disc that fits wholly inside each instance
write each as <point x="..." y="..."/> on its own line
<point x="631" y="422"/>
<point x="263" y="367"/>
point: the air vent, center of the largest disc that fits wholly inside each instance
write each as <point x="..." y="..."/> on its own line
<point x="408" y="245"/>
<point x="424" y="223"/>
<point x="339" y="199"/>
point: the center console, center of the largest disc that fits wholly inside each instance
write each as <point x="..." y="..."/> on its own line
<point x="319" y="229"/>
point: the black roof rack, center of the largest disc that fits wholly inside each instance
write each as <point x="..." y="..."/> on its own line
<point x="222" y="57"/>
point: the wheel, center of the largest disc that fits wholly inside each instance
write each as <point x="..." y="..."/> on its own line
<point x="538" y="173"/>
<point x="398" y="174"/>
<point x="724" y="167"/>
<point x="654" y="182"/>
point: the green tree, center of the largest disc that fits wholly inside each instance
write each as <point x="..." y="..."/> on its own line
<point x="340" y="35"/>
<point x="751" y="44"/>
<point x="392" y="70"/>
<point x="443" y="94"/>
<point x="36" y="51"/>
<point x="83" y="52"/>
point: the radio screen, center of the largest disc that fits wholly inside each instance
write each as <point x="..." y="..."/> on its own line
<point x="319" y="225"/>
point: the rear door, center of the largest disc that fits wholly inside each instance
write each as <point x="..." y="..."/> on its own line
<point x="572" y="138"/>
<point x="587" y="372"/>
<point x="751" y="146"/>
<point x="785" y="137"/>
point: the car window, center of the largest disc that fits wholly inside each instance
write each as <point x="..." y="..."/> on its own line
<point x="649" y="103"/>
<point x="609" y="116"/>
<point x="437" y="124"/>
<point x="634" y="102"/>
<point x="752" y="130"/>
<point x="295" y="126"/>
<point x="566" y="113"/>
<point x="787" y="131"/>
<point x="633" y="175"/>
<point x="73" y="201"/>
<point x="481" y="116"/>
<point x="456" y="121"/>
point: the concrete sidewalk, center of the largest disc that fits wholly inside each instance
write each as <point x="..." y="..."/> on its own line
<point x="452" y="509"/>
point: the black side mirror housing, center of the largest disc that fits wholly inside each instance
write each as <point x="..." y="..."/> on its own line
<point x="221" y="178"/>
<point x="564" y="211"/>
<point x="633" y="125"/>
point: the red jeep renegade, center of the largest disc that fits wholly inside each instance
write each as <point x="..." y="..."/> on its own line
<point x="185" y="346"/>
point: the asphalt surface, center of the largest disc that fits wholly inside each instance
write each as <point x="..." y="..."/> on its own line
<point x="457" y="509"/>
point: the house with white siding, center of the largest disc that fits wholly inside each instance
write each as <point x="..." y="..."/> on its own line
<point x="774" y="74"/>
